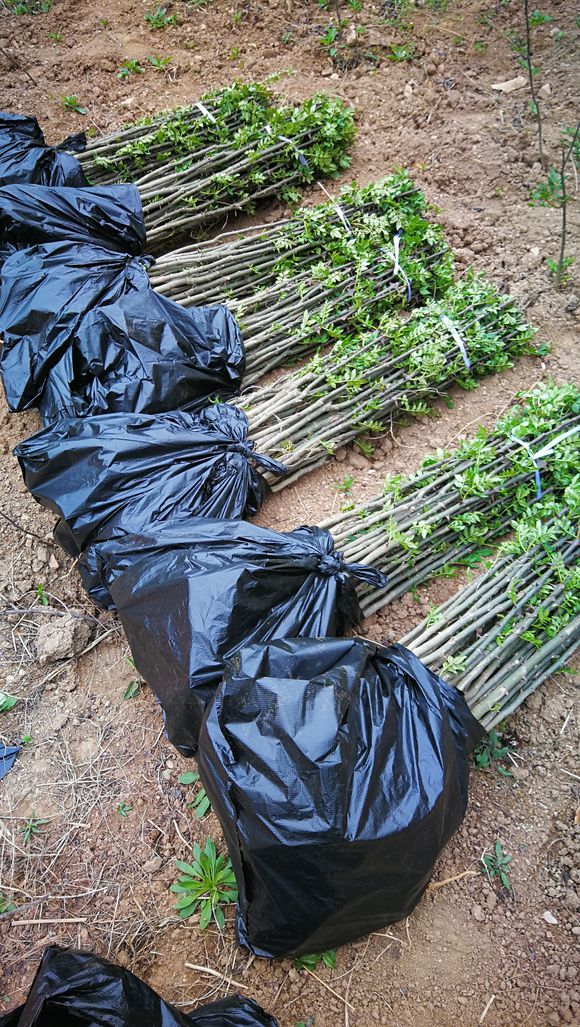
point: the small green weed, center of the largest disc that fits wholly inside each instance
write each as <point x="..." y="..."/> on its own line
<point x="7" y="702"/>
<point x="480" y="46"/>
<point x="346" y="484"/>
<point x="554" y="266"/>
<point x="32" y="827"/>
<point x="124" y="808"/>
<point x="159" y="63"/>
<point x="401" y="52"/>
<point x="206" y="884"/>
<point x="28" y="6"/>
<point x="130" y="67"/>
<point x="56" y="37"/>
<point x="549" y="192"/>
<point x="537" y="18"/>
<point x="311" y="962"/>
<point x="72" y="103"/>
<point x="132" y="690"/>
<point x="40" y="593"/>
<point x="490" y="754"/>
<point x="6" y="905"/>
<point x="497" y="865"/>
<point x="160" y="19"/>
<point x="201" y="804"/>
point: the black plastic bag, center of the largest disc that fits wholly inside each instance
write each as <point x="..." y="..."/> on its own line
<point x="73" y="988"/>
<point x="84" y="333"/>
<point x="110" y="216"/>
<point x="24" y="156"/>
<point x="123" y="474"/>
<point x="338" y="771"/>
<point x="192" y="596"/>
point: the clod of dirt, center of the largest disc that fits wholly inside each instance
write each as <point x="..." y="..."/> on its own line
<point x="64" y="637"/>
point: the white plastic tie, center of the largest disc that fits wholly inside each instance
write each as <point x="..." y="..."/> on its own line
<point x="457" y="339"/>
<point x="205" y="111"/>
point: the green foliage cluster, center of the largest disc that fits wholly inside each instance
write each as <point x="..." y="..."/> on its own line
<point x="238" y="113"/>
<point x="423" y="351"/>
<point x="313" y="138"/>
<point x="205" y="884"/>
<point x="486" y="489"/>
<point x="28" y="6"/>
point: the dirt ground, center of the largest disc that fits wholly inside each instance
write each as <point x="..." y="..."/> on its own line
<point x="471" y="953"/>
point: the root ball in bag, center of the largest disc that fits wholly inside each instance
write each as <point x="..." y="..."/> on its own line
<point x="191" y="595"/>
<point x="338" y="770"/>
<point x="120" y="474"/>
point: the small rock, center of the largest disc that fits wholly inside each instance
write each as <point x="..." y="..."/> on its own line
<point x="477" y="913"/>
<point x="326" y="72"/>
<point x="153" y="865"/>
<point x="510" y="85"/>
<point x="572" y="304"/>
<point x="340" y="454"/>
<point x="571" y="901"/>
<point x="53" y="564"/>
<point x="545" y="90"/>
<point x="62" y="638"/>
<point x="491" y="901"/>
<point x="358" y="461"/>
<point x="549" y="917"/>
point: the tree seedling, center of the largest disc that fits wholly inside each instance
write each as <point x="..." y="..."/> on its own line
<point x="160" y="19"/>
<point x="311" y="962"/>
<point x="32" y="827"/>
<point x="205" y="884"/>
<point x="497" y="865"/>
<point x="72" y="103"/>
<point x="130" y="67"/>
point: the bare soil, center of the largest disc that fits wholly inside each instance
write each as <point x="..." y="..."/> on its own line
<point x="472" y="952"/>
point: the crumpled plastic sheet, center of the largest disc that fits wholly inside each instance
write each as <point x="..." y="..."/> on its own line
<point x="84" y="332"/>
<point x="121" y="474"/>
<point x="73" y="988"/>
<point x="190" y="596"/>
<point x="25" y="157"/>
<point x="338" y="770"/>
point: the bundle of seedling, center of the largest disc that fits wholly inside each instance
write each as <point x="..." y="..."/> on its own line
<point x="321" y="276"/>
<point x="363" y="382"/>
<point x="505" y="632"/>
<point x="200" y="164"/>
<point x="459" y="503"/>
<point x="154" y="143"/>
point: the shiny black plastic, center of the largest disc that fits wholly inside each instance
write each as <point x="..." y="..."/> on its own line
<point x="84" y="333"/>
<point x="24" y="156"/>
<point x="73" y="988"/>
<point x="191" y="596"/>
<point x="123" y="474"/>
<point x="109" y="216"/>
<point x="338" y="771"/>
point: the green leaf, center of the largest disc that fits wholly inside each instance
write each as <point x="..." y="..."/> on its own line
<point x="7" y="702"/>
<point x="131" y="690"/>
<point x="190" y="777"/>
<point x="205" y="916"/>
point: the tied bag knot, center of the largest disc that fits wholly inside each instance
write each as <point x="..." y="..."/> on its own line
<point x="273" y="466"/>
<point x="333" y="563"/>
